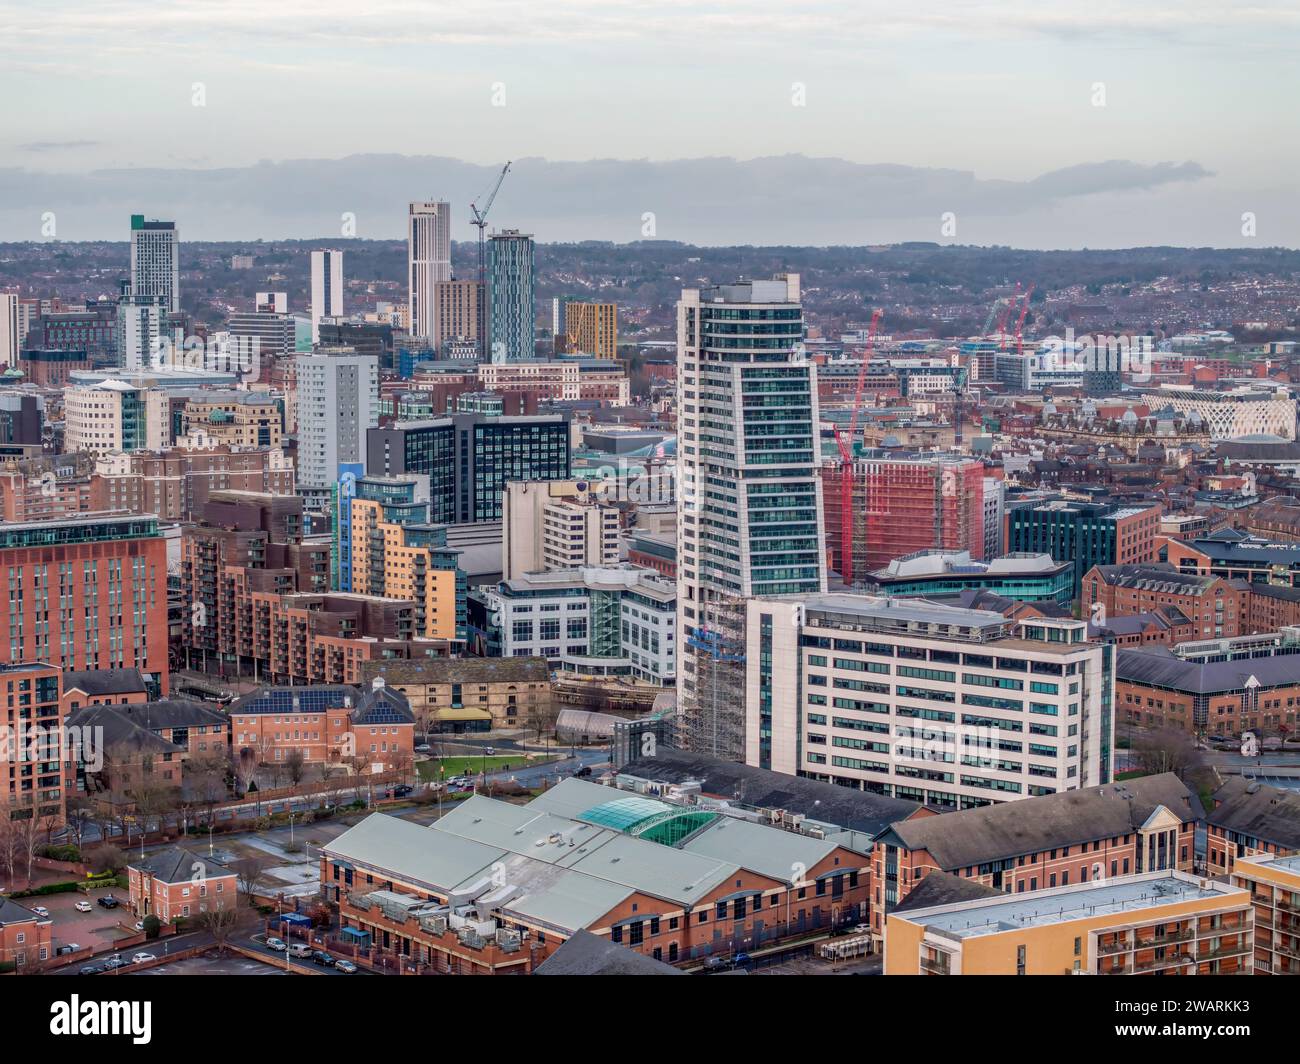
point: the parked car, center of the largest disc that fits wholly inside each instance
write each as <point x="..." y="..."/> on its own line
<point x="91" y="969"/>
<point x="423" y="748"/>
<point x="41" y="910"/>
<point x="277" y="944"/>
<point x="584" y="771"/>
<point x="345" y="966"/>
<point x="139" y="925"/>
<point x="490" y="751"/>
<point x="402" y="790"/>
<point x="67" y="947"/>
<point x="143" y="958"/>
<point x="742" y="960"/>
<point x="84" y="907"/>
<point x="109" y="902"/>
<point x="114" y="961"/>
<point x="300" y="949"/>
<point x="321" y="957"/>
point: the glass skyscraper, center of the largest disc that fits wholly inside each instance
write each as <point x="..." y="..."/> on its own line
<point x="511" y="316"/>
<point x="750" y="497"/>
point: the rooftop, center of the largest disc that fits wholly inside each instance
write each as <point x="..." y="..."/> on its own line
<point x="1126" y="897"/>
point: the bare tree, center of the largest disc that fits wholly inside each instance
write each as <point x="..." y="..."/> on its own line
<point x="220" y="922"/>
<point x="296" y="766"/>
<point x="251" y="872"/>
<point x="77" y="817"/>
<point x="1167" y="750"/>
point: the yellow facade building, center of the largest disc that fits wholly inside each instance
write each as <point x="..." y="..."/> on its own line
<point x="1274" y="885"/>
<point x="1168" y="923"/>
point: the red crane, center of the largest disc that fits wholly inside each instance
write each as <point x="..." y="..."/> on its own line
<point x="846" y="457"/>
<point x="1020" y="321"/>
<point x="1005" y="317"/>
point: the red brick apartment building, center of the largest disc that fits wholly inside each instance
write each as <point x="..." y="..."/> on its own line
<point x="495" y="888"/>
<point x="258" y="601"/>
<point x="1142" y="825"/>
<point x="31" y="773"/>
<point x="1216" y="608"/>
<point x="86" y="593"/>
<point x="1251" y="819"/>
<point x="175" y="883"/>
<point x="373" y="730"/>
<point x="24" y="938"/>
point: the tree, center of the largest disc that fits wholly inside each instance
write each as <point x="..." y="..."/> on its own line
<point x="251" y="872"/>
<point x="78" y="816"/>
<point x="295" y="764"/>
<point x="1167" y="750"/>
<point x="220" y="922"/>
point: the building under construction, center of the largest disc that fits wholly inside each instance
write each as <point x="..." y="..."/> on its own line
<point x="898" y="505"/>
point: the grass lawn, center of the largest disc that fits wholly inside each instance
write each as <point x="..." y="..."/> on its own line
<point x="1131" y="774"/>
<point x="472" y="766"/>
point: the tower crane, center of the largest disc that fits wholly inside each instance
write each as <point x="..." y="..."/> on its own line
<point x="846" y="457"/>
<point x="480" y="220"/>
<point x="1020" y="321"/>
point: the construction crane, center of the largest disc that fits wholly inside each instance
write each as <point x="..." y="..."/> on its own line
<point x="480" y="220"/>
<point x="1005" y="317"/>
<point x="846" y="457"/>
<point x="1020" y="321"/>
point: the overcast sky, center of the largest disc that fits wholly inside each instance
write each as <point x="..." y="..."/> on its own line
<point x="1002" y="92"/>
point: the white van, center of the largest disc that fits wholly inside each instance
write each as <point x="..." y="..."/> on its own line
<point x="300" y="949"/>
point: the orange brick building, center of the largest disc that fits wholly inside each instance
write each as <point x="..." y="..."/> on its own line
<point x="493" y="887"/>
<point x="173" y="884"/>
<point x="372" y="730"/>
<point x="1142" y="825"/>
<point x="1217" y="608"/>
<point x="24" y="938"/>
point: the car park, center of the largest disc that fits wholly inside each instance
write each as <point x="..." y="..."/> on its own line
<point x="84" y="907"/>
<point x="109" y="902"/>
<point x="41" y="910"/>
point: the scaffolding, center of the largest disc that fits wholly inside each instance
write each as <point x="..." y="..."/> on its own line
<point x="713" y="712"/>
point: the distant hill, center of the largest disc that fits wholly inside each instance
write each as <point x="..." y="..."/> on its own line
<point x="788" y="199"/>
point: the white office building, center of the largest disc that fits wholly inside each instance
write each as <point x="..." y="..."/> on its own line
<point x="326" y="288"/>
<point x="952" y="707"/>
<point x="749" y="495"/>
<point x="155" y="261"/>
<point x="428" y="245"/>
<point x="10" y="331"/>
<point x="338" y="401"/>
<point x="599" y="622"/>
<point x="556" y="524"/>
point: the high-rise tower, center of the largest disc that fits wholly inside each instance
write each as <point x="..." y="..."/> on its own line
<point x="428" y="246"/>
<point x="750" y="501"/>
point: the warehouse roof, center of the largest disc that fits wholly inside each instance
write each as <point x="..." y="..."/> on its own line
<point x="826" y="803"/>
<point x="994" y="832"/>
<point x="586" y="954"/>
<point x="1160" y="668"/>
<point x="1270" y="814"/>
<point x="459" y="670"/>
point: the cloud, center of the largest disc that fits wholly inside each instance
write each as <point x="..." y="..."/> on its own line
<point x="58" y="145"/>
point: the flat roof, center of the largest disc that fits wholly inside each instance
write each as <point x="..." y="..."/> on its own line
<point x="1127" y="895"/>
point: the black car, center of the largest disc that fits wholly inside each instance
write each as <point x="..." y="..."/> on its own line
<point x="402" y="790"/>
<point x="321" y="957"/>
<point x="109" y="902"/>
<point x="584" y="771"/>
<point x="92" y="969"/>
